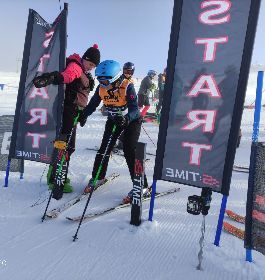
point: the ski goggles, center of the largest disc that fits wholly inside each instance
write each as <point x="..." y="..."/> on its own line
<point x="105" y="81"/>
<point x="128" y="72"/>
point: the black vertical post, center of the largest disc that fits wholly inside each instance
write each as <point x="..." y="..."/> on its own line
<point x="138" y="182"/>
<point x="63" y="42"/>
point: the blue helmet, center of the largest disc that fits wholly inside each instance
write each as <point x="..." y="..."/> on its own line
<point x="151" y="73"/>
<point x="129" y="66"/>
<point x="108" y="70"/>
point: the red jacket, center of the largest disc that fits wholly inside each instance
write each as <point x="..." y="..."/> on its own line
<point x="73" y="69"/>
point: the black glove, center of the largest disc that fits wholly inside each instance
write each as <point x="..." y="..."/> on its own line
<point x="91" y="81"/>
<point x="46" y="79"/>
<point x="121" y="121"/>
<point x="140" y="120"/>
<point x="82" y="119"/>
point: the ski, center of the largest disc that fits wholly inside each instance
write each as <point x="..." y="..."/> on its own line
<point x="151" y="115"/>
<point x="237" y="168"/>
<point x="150" y="120"/>
<point x="117" y="207"/>
<point x="54" y="213"/>
<point x="240" y="233"/>
<point x="234" y="216"/>
<point x="115" y="151"/>
<point x="245" y="167"/>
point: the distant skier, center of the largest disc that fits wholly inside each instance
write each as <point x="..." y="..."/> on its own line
<point x="144" y="91"/>
<point x="239" y="138"/>
<point x="79" y="82"/>
<point x="118" y="94"/>
<point x="161" y="87"/>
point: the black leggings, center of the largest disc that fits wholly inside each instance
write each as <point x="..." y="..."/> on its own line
<point x="130" y="138"/>
<point x="69" y="114"/>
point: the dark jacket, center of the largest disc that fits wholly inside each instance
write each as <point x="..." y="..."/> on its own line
<point x="161" y="83"/>
<point x="145" y="86"/>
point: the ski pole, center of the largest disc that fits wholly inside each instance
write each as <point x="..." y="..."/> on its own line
<point x="95" y="181"/>
<point x="61" y="163"/>
<point x="149" y="136"/>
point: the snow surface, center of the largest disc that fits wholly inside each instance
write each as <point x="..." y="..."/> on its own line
<point x="109" y="247"/>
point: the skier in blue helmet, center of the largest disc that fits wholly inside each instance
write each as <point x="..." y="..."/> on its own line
<point x="119" y="96"/>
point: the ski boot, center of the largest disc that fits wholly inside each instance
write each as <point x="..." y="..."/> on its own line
<point x="67" y="187"/>
<point x="128" y="199"/>
<point x="49" y="175"/>
<point x="146" y="193"/>
<point x="89" y="186"/>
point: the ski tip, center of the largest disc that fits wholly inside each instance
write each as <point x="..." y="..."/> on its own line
<point x="238" y="232"/>
<point x="51" y="216"/>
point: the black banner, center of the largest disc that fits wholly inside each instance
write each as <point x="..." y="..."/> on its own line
<point x="6" y="124"/>
<point x="255" y="214"/>
<point x="38" y="111"/>
<point x="208" y="63"/>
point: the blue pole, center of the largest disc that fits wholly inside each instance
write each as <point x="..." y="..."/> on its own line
<point x="152" y="201"/>
<point x="220" y="221"/>
<point x="7" y="172"/>
<point x="21" y="176"/>
<point x="248" y="255"/>
<point x="255" y="135"/>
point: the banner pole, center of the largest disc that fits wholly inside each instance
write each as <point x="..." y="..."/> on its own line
<point x="7" y="172"/>
<point x="152" y="201"/>
<point x="255" y="136"/>
<point x="220" y="221"/>
<point x="22" y="169"/>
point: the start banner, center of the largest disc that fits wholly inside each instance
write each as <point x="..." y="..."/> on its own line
<point x="207" y="71"/>
<point x="39" y="110"/>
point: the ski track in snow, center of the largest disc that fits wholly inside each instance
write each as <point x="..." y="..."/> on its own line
<point x="108" y="246"/>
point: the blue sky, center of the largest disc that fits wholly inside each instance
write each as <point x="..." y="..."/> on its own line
<point x="125" y="30"/>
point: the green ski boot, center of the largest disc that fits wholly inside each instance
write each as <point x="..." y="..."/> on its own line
<point x="49" y="174"/>
<point x="68" y="188"/>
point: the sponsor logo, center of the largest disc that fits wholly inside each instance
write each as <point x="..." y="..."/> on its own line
<point x="42" y="23"/>
<point x="137" y="191"/>
<point x="186" y="175"/>
<point x="33" y="155"/>
<point x="183" y="174"/>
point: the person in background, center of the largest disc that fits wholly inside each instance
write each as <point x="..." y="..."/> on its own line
<point x="143" y="94"/>
<point x="118" y="95"/>
<point x="239" y="138"/>
<point x="127" y="72"/>
<point x="161" y="86"/>
<point x="79" y="82"/>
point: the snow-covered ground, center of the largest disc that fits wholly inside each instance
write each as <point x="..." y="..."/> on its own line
<point x="109" y="247"/>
